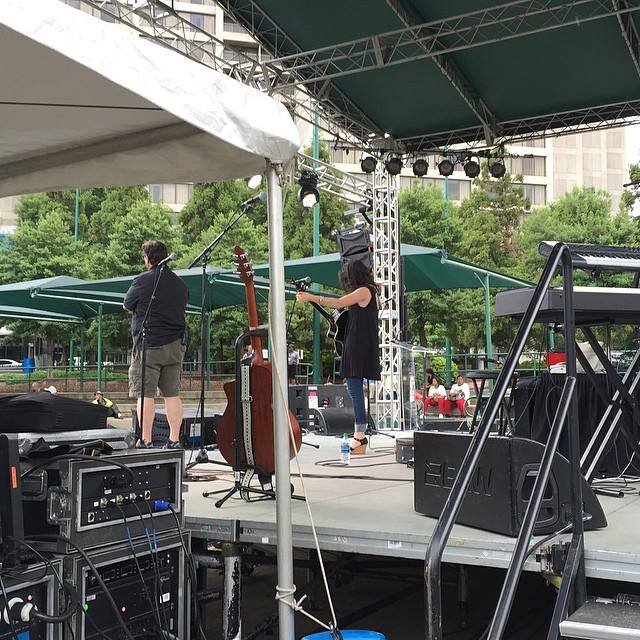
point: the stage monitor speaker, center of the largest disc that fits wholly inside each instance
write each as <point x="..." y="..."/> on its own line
<point x="501" y="486"/>
<point x="334" y="421"/>
<point x="355" y="244"/>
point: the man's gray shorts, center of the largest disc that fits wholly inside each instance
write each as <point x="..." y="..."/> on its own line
<point x="162" y="371"/>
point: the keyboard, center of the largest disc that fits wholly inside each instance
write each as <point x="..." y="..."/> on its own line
<point x="594" y="257"/>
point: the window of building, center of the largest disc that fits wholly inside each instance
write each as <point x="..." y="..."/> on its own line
<point x="536" y="193"/>
<point x="107" y="11"/>
<point x="232" y="26"/>
<point x="73" y="3"/>
<point x="155" y="190"/>
<point x="183" y="193"/>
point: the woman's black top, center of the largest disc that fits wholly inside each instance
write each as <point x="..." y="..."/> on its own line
<point x="361" y="355"/>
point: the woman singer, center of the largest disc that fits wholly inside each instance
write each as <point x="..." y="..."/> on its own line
<point x="360" y="354"/>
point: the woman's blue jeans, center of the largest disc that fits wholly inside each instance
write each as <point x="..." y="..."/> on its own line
<point x="356" y="391"/>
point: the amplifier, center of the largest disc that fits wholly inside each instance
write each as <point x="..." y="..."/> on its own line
<point x="147" y="582"/>
<point x="501" y="485"/>
<point x="305" y="398"/>
<point x="36" y="585"/>
<point x="193" y="432"/>
<point x="88" y="500"/>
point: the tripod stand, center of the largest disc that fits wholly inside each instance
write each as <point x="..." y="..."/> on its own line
<point x="240" y="468"/>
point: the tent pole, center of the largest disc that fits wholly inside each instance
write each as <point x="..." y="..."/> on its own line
<point x="278" y="352"/>
<point x="487" y="321"/>
<point x="99" y="368"/>
<point x="317" y="363"/>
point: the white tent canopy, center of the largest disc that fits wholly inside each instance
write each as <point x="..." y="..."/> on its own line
<point x="87" y="103"/>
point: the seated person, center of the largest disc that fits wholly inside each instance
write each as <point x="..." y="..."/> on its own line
<point x="114" y="411"/>
<point x="437" y="396"/>
<point x="458" y="396"/>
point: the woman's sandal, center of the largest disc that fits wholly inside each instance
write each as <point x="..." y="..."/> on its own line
<point x="361" y="448"/>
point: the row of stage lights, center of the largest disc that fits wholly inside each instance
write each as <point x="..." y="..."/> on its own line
<point x="446" y="166"/>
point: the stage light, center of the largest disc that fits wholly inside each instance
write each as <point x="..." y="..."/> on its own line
<point x="368" y="164"/>
<point x="471" y="169"/>
<point x="308" y="194"/>
<point x="497" y="169"/>
<point x="420" y="167"/>
<point x="393" y="166"/>
<point x="254" y="181"/>
<point x="445" y="167"/>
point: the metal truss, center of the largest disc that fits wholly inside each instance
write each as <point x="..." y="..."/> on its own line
<point x="629" y="32"/>
<point x="353" y="188"/>
<point x="451" y="71"/>
<point x="485" y="26"/>
<point x="544" y="126"/>
<point x="386" y="263"/>
<point x="342" y="117"/>
<point x="159" y="22"/>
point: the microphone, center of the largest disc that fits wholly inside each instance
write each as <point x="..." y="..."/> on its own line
<point x="171" y="256"/>
<point x="253" y="199"/>
<point x="301" y="282"/>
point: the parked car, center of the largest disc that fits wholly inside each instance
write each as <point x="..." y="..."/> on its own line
<point x="8" y="365"/>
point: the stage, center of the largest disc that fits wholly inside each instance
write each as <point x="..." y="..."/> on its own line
<point x="376" y="516"/>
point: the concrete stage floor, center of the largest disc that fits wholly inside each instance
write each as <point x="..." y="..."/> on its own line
<point x="367" y="508"/>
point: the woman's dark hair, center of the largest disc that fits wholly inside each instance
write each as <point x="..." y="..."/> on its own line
<point x="155" y="251"/>
<point x="435" y="379"/>
<point x="355" y="274"/>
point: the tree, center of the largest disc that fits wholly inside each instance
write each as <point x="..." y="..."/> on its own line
<point x="117" y="201"/>
<point x="209" y="200"/>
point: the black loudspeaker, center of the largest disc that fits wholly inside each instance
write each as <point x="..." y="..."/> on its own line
<point x="193" y="432"/>
<point x="305" y="398"/>
<point x="524" y="404"/>
<point x="433" y="423"/>
<point x="501" y="486"/>
<point x="355" y="244"/>
<point x="334" y="421"/>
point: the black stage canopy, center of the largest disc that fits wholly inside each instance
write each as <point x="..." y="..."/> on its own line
<point x="432" y="74"/>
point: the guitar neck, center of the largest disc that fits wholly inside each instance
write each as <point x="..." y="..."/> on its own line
<point x="322" y="311"/>
<point x="254" y="320"/>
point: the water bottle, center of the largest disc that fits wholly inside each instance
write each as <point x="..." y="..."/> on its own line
<point x="345" y="449"/>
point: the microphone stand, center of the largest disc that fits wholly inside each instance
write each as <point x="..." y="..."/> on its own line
<point x="143" y="337"/>
<point x="203" y="259"/>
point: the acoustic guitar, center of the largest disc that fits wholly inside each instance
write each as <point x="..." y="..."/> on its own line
<point x="257" y="446"/>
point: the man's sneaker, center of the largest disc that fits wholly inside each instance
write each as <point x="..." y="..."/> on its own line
<point x="170" y="444"/>
<point x="141" y="444"/>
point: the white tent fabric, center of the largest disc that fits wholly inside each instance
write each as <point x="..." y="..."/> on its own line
<point x="88" y="103"/>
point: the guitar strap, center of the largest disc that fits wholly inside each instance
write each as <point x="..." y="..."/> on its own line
<point x="245" y="399"/>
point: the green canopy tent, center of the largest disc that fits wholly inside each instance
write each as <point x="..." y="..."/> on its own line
<point x="424" y="269"/>
<point x="223" y="288"/>
<point x="26" y="301"/>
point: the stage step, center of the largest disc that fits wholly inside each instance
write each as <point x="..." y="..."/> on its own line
<point x="603" y="619"/>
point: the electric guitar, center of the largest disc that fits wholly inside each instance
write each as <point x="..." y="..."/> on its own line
<point x="338" y="320"/>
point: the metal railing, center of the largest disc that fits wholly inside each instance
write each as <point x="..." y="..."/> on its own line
<point x="573" y="588"/>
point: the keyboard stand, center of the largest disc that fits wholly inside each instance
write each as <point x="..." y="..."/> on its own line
<point x="622" y="405"/>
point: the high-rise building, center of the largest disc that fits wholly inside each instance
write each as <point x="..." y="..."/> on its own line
<point x="549" y="168"/>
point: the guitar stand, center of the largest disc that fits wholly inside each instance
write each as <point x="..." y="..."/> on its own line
<point x="238" y="487"/>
